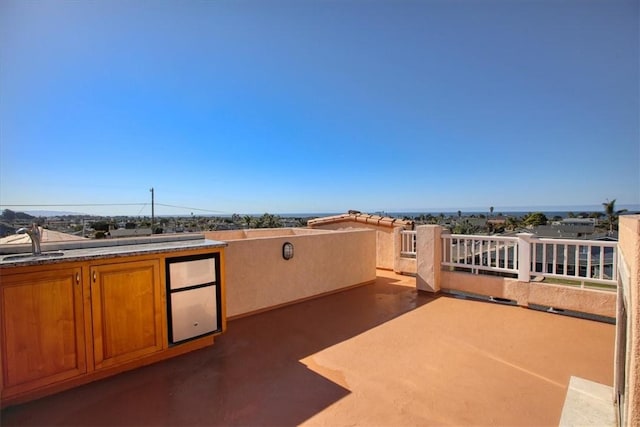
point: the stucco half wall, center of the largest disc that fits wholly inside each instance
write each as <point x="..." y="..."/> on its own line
<point x="259" y="278"/>
<point x="628" y="353"/>
<point x="386" y="247"/>
<point x="600" y="303"/>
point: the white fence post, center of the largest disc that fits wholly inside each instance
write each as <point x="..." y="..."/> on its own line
<point x="524" y="256"/>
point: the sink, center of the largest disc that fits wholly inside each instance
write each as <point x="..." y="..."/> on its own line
<point x="31" y="257"/>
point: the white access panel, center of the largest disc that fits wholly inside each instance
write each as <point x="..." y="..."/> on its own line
<point x="193" y="313"/>
<point x="190" y="273"/>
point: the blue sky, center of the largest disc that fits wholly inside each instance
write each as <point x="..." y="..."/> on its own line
<point x="253" y="106"/>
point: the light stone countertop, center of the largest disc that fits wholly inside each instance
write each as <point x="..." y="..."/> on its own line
<point x="99" y="249"/>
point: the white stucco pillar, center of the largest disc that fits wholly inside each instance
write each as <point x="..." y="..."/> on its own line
<point x="627" y="361"/>
<point x="524" y="256"/>
<point x="397" y="245"/>
<point x="428" y="257"/>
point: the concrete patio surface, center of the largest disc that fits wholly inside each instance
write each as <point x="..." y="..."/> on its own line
<point x="381" y="354"/>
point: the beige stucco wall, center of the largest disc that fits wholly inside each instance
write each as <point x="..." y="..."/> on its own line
<point x="600" y="303"/>
<point x="629" y="246"/>
<point x="405" y="266"/>
<point x="259" y="232"/>
<point x="259" y="278"/>
<point x="385" y="248"/>
<point x="493" y="286"/>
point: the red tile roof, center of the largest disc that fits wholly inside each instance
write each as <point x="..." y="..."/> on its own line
<point x="357" y="216"/>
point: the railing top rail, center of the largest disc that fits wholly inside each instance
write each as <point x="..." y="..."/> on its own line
<point x="583" y="242"/>
<point x="480" y="237"/>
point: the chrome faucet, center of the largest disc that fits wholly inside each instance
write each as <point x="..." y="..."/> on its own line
<point x="34" y="234"/>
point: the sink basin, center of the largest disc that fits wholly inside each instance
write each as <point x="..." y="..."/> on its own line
<point x="31" y="257"/>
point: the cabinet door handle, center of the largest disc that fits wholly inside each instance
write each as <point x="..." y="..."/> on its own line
<point x="77" y="278"/>
<point x="94" y="276"/>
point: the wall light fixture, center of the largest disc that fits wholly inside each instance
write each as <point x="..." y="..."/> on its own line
<point x="287" y="250"/>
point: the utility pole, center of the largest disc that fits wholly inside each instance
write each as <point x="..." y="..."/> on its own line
<point x="152" y="210"/>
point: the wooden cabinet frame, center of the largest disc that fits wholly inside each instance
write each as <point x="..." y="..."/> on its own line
<point x="43" y="335"/>
<point x="98" y="330"/>
<point x="126" y="311"/>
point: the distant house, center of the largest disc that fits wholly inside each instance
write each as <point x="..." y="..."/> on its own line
<point x="476" y="222"/>
<point x="223" y="226"/>
<point x="290" y="222"/>
<point x="579" y="221"/>
<point x="45" y="236"/>
<point x="497" y="221"/>
<point x="125" y="232"/>
<point x="570" y="230"/>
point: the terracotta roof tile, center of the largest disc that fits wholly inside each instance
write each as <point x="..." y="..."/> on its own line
<point x="364" y="218"/>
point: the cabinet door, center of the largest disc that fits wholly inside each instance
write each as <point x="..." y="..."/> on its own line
<point x="42" y="329"/>
<point x="126" y="309"/>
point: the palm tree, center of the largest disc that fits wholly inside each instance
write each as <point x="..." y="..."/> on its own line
<point x="611" y="212"/>
<point x="491" y="211"/>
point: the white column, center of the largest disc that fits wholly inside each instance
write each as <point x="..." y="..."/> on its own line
<point x="524" y="256"/>
<point x="397" y="247"/>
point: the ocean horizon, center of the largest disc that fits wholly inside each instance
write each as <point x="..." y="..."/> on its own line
<point x="549" y="211"/>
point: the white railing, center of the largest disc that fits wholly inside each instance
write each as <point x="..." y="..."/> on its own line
<point x="480" y="253"/>
<point x="580" y="260"/>
<point x="587" y="262"/>
<point x="408" y="243"/>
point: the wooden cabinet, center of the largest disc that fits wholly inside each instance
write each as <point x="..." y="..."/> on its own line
<point x="126" y="311"/>
<point x="66" y="324"/>
<point x="42" y="335"/>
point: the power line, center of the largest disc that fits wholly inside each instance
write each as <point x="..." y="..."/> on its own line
<point x="186" y="207"/>
<point x="68" y="205"/>
<point x="141" y="209"/>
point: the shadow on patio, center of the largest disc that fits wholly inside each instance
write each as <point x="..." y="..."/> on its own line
<point x="379" y="354"/>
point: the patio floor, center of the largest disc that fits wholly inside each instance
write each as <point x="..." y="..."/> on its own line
<point x="381" y="354"/>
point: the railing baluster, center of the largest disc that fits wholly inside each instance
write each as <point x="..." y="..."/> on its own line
<point x="601" y="275"/>
<point x="466" y="255"/>
<point x="505" y="257"/>
<point x="473" y="252"/>
<point x="614" y="266"/>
